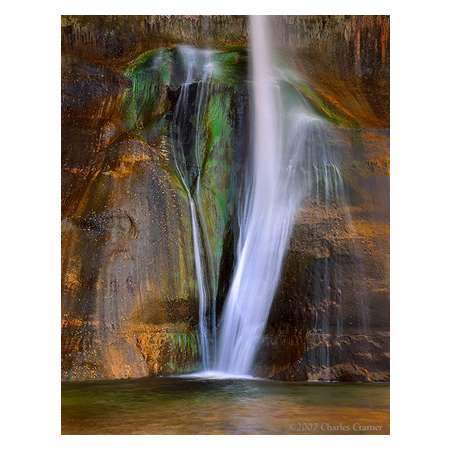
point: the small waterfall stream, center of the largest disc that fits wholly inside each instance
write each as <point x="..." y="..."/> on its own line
<point x="197" y="68"/>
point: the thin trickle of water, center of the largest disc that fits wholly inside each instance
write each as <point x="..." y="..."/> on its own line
<point x="201" y="286"/>
<point x="326" y="197"/>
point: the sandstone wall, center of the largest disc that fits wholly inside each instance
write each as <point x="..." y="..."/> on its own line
<point x="129" y="302"/>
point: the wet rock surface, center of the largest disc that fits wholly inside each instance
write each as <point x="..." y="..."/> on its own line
<point x="129" y="300"/>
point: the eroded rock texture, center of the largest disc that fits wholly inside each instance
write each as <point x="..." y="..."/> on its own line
<point x="129" y="299"/>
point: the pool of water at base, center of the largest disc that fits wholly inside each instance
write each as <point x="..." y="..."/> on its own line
<point x="171" y="405"/>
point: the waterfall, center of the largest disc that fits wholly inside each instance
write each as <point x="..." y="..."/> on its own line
<point x="293" y="164"/>
<point x="267" y="212"/>
<point x="290" y="174"/>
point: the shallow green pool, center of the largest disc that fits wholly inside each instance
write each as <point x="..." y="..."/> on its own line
<point x="201" y="406"/>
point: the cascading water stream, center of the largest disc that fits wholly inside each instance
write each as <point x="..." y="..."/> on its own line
<point x="293" y="162"/>
<point x="268" y="213"/>
<point x="198" y="67"/>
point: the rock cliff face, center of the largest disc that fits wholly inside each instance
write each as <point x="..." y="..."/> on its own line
<point x="129" y="291"/>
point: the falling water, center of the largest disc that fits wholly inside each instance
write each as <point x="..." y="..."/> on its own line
<point x="267" y="214"/>
<point x="293" y="167"/>
<point x="293" y="163"/>
<point x="327" y="200"/>
<point x="197" y="71"/>
<point x="201" y="286"/>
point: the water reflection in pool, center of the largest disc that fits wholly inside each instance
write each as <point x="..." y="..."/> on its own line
<point x="219" y="406"/>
